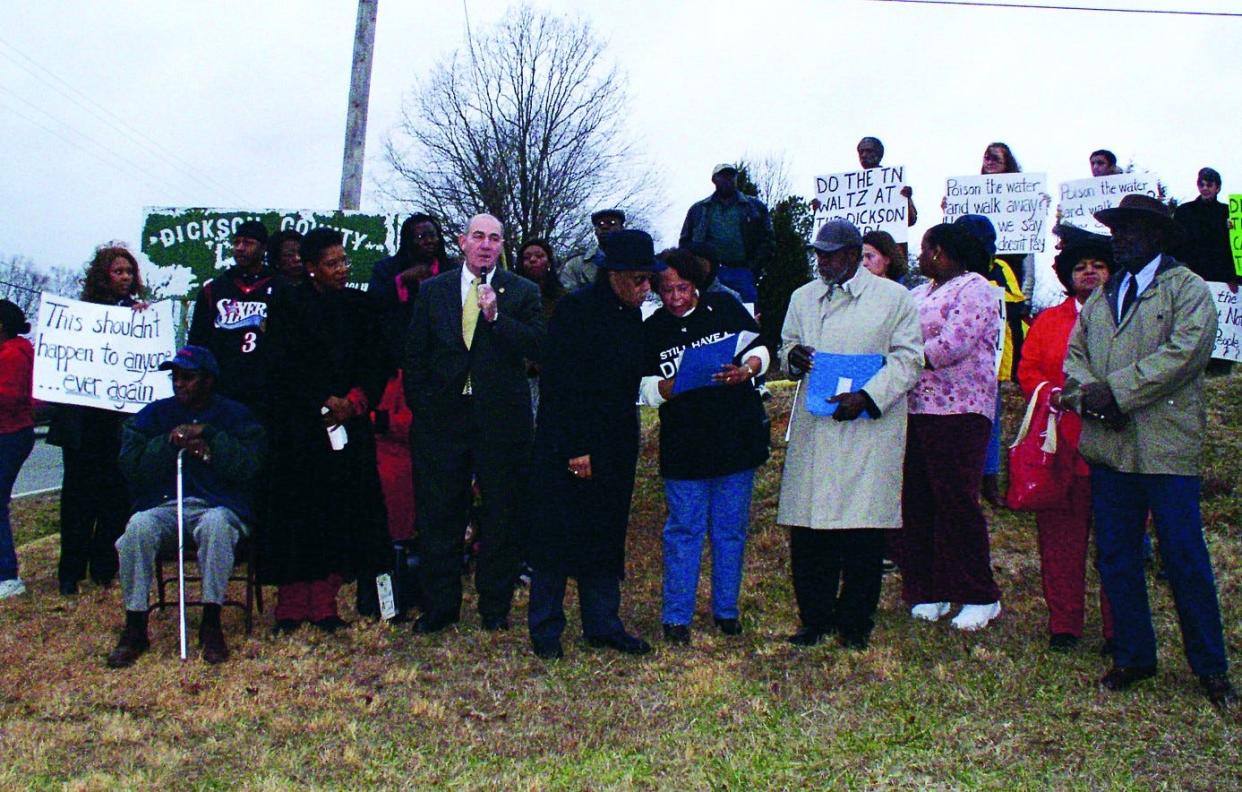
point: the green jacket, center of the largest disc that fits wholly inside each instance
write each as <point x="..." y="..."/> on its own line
<point x="1154" y="364"/>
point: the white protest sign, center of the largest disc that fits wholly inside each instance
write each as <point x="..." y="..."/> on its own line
<point x="1228" y="323"/>
<point x="998" y="292"/>
<point x="105" y="356"/>
<point x="1082" y="198"/>
<point x="871" y="199"/>
<point x="1016" y="203"/>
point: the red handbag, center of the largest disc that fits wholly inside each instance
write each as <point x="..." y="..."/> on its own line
<point x="1039" y="476"/>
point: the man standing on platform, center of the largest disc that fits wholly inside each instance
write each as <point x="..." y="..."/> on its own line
<point x="739" y="230"/>
<point x="471" y="332"/>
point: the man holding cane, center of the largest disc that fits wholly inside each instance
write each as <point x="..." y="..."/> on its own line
<point x="224" y="446"/>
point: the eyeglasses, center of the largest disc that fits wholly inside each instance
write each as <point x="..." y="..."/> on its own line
<point x="427" y="235"/>
<point x="607" y="222"/>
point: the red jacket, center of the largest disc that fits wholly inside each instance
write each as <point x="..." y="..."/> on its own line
<point x="16" y="371"/>
<point x="1043" y="360"/>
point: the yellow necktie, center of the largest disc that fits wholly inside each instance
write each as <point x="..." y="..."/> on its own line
<point x="469" y="319"/>
<point x="470" y="312"/>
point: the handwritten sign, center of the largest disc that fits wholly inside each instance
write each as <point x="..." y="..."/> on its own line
<point x="105" y="356"/>
<point x="1016" y="203"/>
<point x="871" y="199"/>
<point x="1235" y="232"/>
<point x="1082" y="198"/>
<point x="197" y="242"/>
<point x="1228" y="323"/>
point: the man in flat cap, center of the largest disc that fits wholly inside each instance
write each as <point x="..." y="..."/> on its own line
<point x="582" y="269"/>
<point x="1134" y="370"/>
<point x="739" y="230"/>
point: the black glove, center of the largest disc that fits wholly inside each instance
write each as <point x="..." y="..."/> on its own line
<point x="1096" y="397"/>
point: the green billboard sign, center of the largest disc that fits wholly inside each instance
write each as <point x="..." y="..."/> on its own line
<point x="191" y="245"/>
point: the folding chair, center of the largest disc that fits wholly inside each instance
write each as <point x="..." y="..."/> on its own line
<point x="244" y="553"/>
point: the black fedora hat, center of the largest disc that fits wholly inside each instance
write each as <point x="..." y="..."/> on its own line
<point x="630" y="250"/>
<point x="1138" y="206"/>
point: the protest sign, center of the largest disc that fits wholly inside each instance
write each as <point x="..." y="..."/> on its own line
<point x="871" y="199"/>
<point x="1016" y="203"/>
<point x="1228" y="323"/>
<point x="1235" y="232"/>
<point x="1080" y="199"/>
<point x="105" y="356"/>
<point x="197" y="242"/>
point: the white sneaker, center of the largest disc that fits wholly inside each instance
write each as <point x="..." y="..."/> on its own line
<point x="930" y="611"/>
<point x="976" y="617"/>
<point x="11" y="588"/>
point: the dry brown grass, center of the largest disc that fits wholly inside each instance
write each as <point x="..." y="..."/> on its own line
<point x="377" y="707"/>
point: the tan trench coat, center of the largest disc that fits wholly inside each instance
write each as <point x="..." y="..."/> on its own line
<point x="1153" y="362"/>
<point x="842" y="475"/>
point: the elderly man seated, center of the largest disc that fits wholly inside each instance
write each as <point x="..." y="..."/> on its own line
<point x="224" y="447"/>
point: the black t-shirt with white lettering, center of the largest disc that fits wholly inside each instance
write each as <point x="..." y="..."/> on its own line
<point x="715" y="430"/>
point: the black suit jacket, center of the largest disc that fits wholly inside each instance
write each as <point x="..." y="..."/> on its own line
<point x="437" y="360"/>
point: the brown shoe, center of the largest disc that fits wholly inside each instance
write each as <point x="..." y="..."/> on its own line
<point x="128" y="649"/>
<point x="211" y="638"/>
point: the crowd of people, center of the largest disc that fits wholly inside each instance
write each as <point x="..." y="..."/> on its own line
<point x="322" y="422"/>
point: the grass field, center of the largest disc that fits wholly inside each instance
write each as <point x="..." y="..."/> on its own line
<point x="377" y="707"/>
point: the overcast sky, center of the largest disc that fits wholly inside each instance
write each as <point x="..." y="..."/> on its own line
<point x="242" y="103"/>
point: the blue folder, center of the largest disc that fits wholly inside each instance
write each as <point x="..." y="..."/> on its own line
<point x="698" y="364"/>
<point x="832" y="374"/>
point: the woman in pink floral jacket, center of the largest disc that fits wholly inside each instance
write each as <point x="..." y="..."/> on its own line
<point x="945" y="554"/>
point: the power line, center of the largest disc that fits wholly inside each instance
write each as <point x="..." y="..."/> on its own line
<point x="113" y="120"/>
<point x="1102" y="9"/>
<point x="130" y="169"/>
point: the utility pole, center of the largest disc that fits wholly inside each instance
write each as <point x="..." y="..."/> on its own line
<point x="356" y="114"/>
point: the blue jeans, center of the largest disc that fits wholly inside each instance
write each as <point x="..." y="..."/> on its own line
<point x="1121" y="502"/>
<point x="740" y="280"/>
<point x="14" y="448"/>
<point x="991" y="462"/>
<point x="716" y="507"/>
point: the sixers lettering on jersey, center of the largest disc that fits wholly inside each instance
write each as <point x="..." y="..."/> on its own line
<point x="238" y="314"/>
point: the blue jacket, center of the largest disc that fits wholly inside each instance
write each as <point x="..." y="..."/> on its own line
<point x="757" y="235"/>
<point x="149" y="460"/>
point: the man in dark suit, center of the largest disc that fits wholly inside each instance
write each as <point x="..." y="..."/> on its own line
<point x="471" y="332"/>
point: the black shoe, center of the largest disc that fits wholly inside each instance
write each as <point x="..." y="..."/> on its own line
<point x="283" y="626"/>
<point x="622" y="642"/>
<point x="103" y="583"/>
<point x="330" y="624"/>
<point x="211" y="639"/>
<point x="1121" y="677"/>
<point x="495" y="623"/>
<point x="990" y="490"/>
<point x="425" y="625"/>
<point x="548" y="650"/>
<point x="807" y="636"/>
<point x="677" y="633"/>
<point x="68" y="588"/>
<point x="729" y="626"/>
<point x="128" y="649"/>
<point x="1219" y="690"/>
<point x="1062" y="642"/>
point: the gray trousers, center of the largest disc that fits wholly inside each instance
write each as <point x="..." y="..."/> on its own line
<point x="214" y="529"/>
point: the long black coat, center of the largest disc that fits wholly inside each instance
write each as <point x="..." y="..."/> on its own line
<point x="593" y="363"/>
<point x="326" y="509"/>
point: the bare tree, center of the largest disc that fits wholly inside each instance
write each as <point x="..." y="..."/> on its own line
<point x="770" y="175"/>
<point x="22" y="283"/>
<point x="525" y="123"/>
